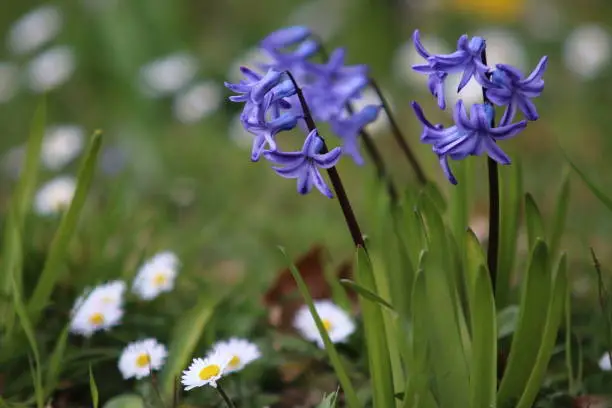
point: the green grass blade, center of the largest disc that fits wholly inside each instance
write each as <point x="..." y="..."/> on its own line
<point x="20" y="203"/>
<point x="125" y="401"/>
<point x="93" y="389"/>
<point x="533" y="218"/>
<point x="460" y="202"/>
<point x="59" y="246"/>
<point x="551" y="327"/>
<point x="483" y="368"/>
<point x="532" y="317"/>
<point x="597" y="192"/>
<point x="184" y="341"/>
<point x="375" y="334"/>
<point x="56" y="359"/>
<point x="349" y="392"/>
<point x="365" y="293"/>
<point x="511" y="194"/>
<point x="28" y="330"/>
<point x="558" y="226"/>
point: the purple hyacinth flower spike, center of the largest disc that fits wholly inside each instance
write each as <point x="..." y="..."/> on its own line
<point x="435" y="79"/>
<point x="304" y="165"/>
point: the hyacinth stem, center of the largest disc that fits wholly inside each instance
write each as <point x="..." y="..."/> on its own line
<point x="399" y="137"/>
<point x="493" y="247"/>
<point x="368" y="141"/>
<point x="345" y="204"/>
<point x="226" y="399"/>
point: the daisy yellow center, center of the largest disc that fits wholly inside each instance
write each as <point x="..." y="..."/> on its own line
<point x="96" y="319"/>
<point x="209" y="372"/>
<point x="143" y="360"/>
<point x="327" y="324"/>
<point x="160" y="279"/>
<point x="234" y="362"/>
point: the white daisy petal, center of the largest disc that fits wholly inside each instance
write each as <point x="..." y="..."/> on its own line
<point x="62" y="143"/>
<point x="205" y="371"/>
<point x="168" y="75"/>
<point x="139" y="358"/>
<point x="156" y="276"/>
<point x="34" y="29"/>
<point x="338" y="323"/>
<point x="588" y="50"/>
<point x="605" y="363"/>
<point x="55" y="196"/>
<point x="51" y="69"/>
<point x="98" y="309"/>
<point x="241" y="352"/>
<point x="197" y="102"/>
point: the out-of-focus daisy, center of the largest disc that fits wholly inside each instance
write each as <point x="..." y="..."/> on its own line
<point x="336" y="321"/>
<point x="139" y="358"/>
<point x="241" y="352"/>
<point x="587" y="50"/>
<point x="8" y="81"/>
<point x="168" y="74"/>
<point x="34" y="29"/>
<point x="156" y="275"/>
<point x="51" y="69"/>
<point x="55" y="196"/>
<point x="197" y="102"/>
<point x="504" y="47"/>
<point x="97" y="310"/>
<point x="605" y="363"/>
<point x="110" y="292"/>
<point x="205" y="371"/>
<point x="62" y="143"/>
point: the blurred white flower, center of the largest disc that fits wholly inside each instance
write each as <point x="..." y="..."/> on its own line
<point x="503" y="47"/>
<point x="205" y="371"/>
<point x="241" y="353"/>
<point x="100" y="309"/>
<point x="407" y="56"/>
<point x="197" y="102"/>
<point x="55" y="196"/>
<point x="251" y="58"/>
<point x="605" y="363"/>
<point x="323" y="17"/>
<point x="587" y="50"/>
<point x="336" y="321"/>
<point x="369" y="97"/>
<point x="34" y="29"/>
<point x="51" y="69"/>
<point x="8" y="81"/>
<point x="62" y="143"/>
<point x="239" y="135"/>
<point x="139" y="358"/>
<point x="155" y="276"/>
<point x="168" y="74"/>
<point x="470" y="94"/>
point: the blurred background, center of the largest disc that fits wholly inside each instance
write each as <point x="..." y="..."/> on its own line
<point x="175" y="170"/>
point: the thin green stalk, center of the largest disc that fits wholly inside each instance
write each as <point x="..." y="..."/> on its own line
<point x="226" y="399"/>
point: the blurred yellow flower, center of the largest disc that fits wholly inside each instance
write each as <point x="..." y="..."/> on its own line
<point x="501" y="10"/>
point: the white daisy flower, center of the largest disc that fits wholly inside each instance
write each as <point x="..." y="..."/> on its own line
<point x="34" y="29"/>
<point x="62" y="143"/>
<point x="337" y="322"/>
<point x="197" y="102"/>
<point x="110" y="293"/>
<point x="51" y="68"/>
<point x="156" y="276"/>
<point x="55" y="196"/>
<point x="205" y="371"/>
<point x="139" y="358"/>
<point x="168" y="74"/>
<point x="605" y="363"/>
<point x="587" y="50"/>
<point x="241" y="353"/>
<point x="90" y="315"/>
